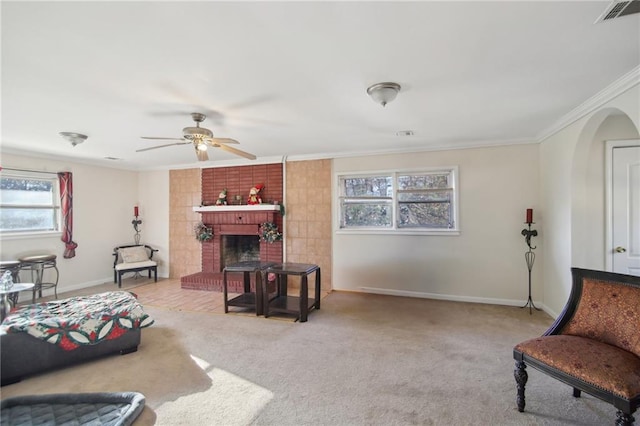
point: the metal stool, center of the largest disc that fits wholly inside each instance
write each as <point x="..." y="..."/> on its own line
<point x="37" y="264"/>
<point x="12" y="266"/>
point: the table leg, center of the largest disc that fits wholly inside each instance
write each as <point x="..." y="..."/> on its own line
<point x="265" y="299"/>
<point x="224" y="291"/>
<point x="247" y="282"/>
<point x="304" y="298"/>
<point x="282" y="285"/>
<point x="259" y="293"/>
<point x="317" y="304"/>
<point x="39" y="276"/>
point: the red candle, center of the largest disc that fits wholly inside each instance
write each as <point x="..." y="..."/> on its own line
<point x="135" y="211"/>
<point x="529" y="215"/>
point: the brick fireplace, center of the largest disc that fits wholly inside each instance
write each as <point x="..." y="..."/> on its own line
<point x="234" y="226"/>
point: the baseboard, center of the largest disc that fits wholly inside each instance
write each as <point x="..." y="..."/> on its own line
<point x="450" y="297"/>
<point x="87" y="284"/>
<point x="80" y="286"/>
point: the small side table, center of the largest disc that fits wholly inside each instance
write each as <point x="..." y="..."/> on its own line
<point x="248" y="299"/>
<point x="37" y="264"/>
<point x="6" y="305"/>
<point x="290" y="304"/>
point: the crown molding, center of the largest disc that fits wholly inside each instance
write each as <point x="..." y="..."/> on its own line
<point x="615" y="89"/>
<point x="426" y="148"/>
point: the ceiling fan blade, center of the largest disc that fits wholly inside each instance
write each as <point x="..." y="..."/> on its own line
<point x="162" y="139"/>
<point x="162" y="146"/>
<point x="236" y="151"/>
<point x="202" y="155"/>
<point x="215" y="141"/>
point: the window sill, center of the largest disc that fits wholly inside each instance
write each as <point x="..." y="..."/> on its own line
<point x="369" y="231"/>
<point x="27" y="235"/>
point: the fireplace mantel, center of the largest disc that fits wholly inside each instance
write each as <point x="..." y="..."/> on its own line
<point x="242" y="208"/>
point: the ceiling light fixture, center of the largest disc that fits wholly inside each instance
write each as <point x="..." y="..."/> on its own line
<point x="201" y="147"/>
<point x="73" y="138"/>
<point x="383" y="93"/>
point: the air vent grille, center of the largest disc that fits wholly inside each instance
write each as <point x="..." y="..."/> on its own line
<point x="618" y="9"/>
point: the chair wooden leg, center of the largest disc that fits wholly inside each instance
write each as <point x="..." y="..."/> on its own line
<point x="577" y="392"/>
<point x="521" y="377"/>
<point x="624" y="419"/>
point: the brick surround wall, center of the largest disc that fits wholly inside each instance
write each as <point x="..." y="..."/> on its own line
<point x="308" y="220"/>
<point x="237" y="181"/>
<point x="184" y="249"/>
<point x="308" y="212"/>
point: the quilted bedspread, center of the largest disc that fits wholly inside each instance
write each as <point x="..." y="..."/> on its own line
<point x="77" y="321"/>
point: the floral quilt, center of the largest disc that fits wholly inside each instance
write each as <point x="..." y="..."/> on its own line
<point x="86" y="320"/>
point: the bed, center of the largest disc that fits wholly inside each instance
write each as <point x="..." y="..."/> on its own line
<point x="43" y="336"/>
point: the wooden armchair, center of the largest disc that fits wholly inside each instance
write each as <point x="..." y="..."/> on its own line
<point x="594" y="345"/>
<point x="133" y="258"/>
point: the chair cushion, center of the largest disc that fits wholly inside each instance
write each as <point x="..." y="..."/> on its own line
<point x="134" y="254"/>
<point x="602" y="365"/>
<point x="134" y="265"/>
<point x="608" y="312"/>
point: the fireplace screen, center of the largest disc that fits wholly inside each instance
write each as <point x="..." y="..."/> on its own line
<point x="240" y="248"/>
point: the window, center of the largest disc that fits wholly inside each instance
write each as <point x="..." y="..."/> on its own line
<point x="413" y="202"/>
<point x="28" y="203"/>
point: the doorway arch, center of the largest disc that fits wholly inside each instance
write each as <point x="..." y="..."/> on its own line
<point x="588" y="204"/>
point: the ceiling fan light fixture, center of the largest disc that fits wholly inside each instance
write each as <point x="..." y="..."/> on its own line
<point x="200" y="138"/>
<point x="192" y="133"/>
<point x="73" y="138"/>
<point x="383" y="93"/>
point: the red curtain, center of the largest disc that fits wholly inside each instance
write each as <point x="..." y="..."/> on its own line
<point x="66" y="204"/>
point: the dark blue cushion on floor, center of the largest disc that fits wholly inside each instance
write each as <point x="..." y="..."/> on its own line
<point x="105" y="408"/>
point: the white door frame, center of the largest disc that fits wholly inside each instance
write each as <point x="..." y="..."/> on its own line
<point x="608" y="173"/>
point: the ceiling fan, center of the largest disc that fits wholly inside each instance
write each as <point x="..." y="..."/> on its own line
<point x="201" y="139"/>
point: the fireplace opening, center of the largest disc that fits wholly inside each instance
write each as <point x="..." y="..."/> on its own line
<point x="239" y="248"/>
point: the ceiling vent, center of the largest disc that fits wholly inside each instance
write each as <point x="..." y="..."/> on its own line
<point x="618" y="9"/>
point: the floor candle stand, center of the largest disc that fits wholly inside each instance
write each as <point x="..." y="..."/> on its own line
<point x="530" y="257"/>
<point x="136" y="237"/>
<point x="136" y="222"/>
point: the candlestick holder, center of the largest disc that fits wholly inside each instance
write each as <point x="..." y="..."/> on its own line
<point x="530" y="258"/>
<point x="136" y="222"/>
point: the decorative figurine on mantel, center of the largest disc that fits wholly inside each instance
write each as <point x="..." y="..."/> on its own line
<point x="254" y="194"/>
<point x="222" y="198"/>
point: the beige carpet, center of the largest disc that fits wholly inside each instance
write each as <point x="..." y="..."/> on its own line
<point x="360" y="360"/>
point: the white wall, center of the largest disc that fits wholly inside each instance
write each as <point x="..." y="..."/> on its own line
<point x="568" y="194"/>
<point x="485" y="263"/>
<point x="153" y="200"/>
<point x="103" y="201"/>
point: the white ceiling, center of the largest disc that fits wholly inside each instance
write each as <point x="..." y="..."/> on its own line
<point x="290" y="78"/>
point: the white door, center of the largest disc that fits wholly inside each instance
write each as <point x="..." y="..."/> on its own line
<point x="625" y="210"/>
